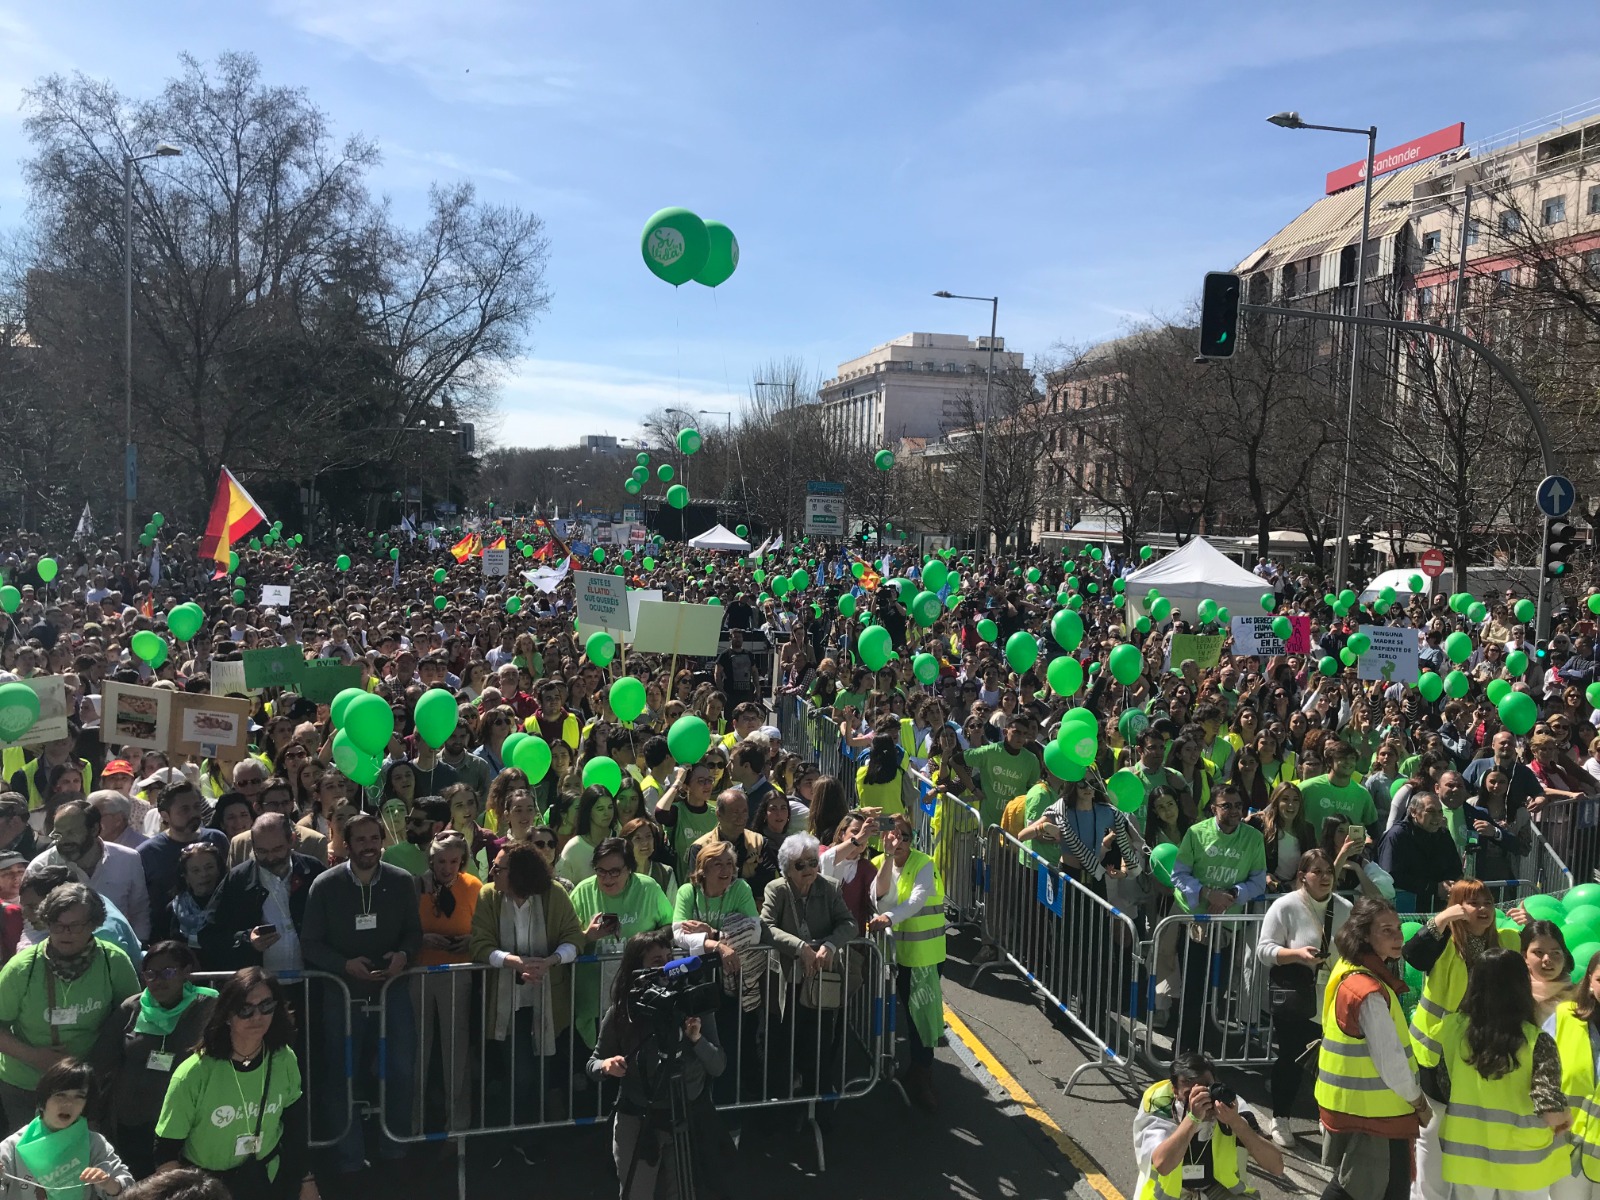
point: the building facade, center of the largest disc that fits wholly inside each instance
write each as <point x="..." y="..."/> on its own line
<point x="918" y="385"/>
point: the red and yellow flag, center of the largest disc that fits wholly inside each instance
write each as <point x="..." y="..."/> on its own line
<point x="499" y="543"/>
<point x="468" y="547"/>
<point x="233" y="514"/>
<point x="870" y="579"/>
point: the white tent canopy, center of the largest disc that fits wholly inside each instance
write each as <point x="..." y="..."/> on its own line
<point x="719" y="537"/>
<point x="1195" y="572"/>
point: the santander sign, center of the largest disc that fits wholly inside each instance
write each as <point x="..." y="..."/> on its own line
<point x="1404" y="155"/>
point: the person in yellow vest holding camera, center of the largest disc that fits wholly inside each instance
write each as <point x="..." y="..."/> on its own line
<point x="1446" y="950"/>
<point x="909" y="898"/>
<point x="1575" y="1025"/>
<point x="1503" y="1134"/>
<point x="1368" y="1098"/>
<point x="1192" y="1135"/>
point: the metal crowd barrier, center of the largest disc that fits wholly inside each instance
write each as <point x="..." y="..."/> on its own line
<point x="329" y="1087"/>
<point x="949" y="831"/>
<point x="1568" y="830"/>
<point x="780" y="1050"/>
<point x="1077" y="950"/>
<point x="1216" y="991"/>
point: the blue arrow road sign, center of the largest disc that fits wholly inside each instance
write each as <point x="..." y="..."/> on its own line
<point x="1555" y="495"/>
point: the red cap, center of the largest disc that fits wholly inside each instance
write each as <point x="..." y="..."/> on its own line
<point x="117" y="766"/>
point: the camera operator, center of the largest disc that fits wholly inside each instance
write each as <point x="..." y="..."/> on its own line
<point x="630" y="1048"/>
<point x="1191" y="1135"/>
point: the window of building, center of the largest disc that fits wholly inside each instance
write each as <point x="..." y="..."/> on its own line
<point x="1591" y="263"/>
<point x="1502" y="282"/>
<point x="1510" y="222"/>
<point x="1554" y="210"/>
<point x="1594" y="201"/>
<point x="1473" y="229"/>
<point x="1431" y="241"/>
<point x="1424" y="301"/>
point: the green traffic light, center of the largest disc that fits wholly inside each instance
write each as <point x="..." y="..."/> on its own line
<point x="1222" y="337"/>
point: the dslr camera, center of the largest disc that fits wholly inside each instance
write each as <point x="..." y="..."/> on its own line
<point x="1221" y="1093"/>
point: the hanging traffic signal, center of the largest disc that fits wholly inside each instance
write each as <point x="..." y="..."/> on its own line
<point x="1219" y="314"/>
<point x="1558" y="541"/>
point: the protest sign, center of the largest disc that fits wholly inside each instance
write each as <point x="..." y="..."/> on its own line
<point x="1204" y="648"/>
<point x="1253" y="634"/>
<point x="136" y="716"/>
<point x="275" y="594"/>
<point x="602" y="601"/>
<point x="1392" y="656"/>
<point x="52" y="723"/>
<point x="227" y="679"/>
<point x="211" y="726"/>
<point x="279" y="666"/>
<point x="322" y="679"/>
<point x="668" y="628"/>
<point x="497" y="562"/>
<point x="636" y="597"/>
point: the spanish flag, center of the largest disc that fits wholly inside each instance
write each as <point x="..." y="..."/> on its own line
<point x="233" y="514"/>
<point x="870" y="579"/>
<point x="499" y="543"/>
<point x="468" y="547"/>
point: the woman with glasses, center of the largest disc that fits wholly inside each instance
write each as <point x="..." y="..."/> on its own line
<point x="543" y="839"/>
<point x="805" y="916"/>
<point x="236" y="1109"/>
<point x="650" y="854"/>
<point x="719" y="907"/>
<point x="288" y="761"/>
<point x="526" y="926"/>
<point x="144" y="1041"/>
<point x="612" y="905"/>
<point x="496" y="726"/>
<point x="449" y="897"/>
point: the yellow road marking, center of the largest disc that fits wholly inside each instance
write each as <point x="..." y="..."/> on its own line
<point x="1076" y="1155"/>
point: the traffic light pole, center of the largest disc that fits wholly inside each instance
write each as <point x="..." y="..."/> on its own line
<point x="1501" y="367"/>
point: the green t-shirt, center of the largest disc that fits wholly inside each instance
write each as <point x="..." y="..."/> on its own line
<point x="1038" y="799"/>
<point x="689" y="826"/>
<point x="694" y="905"/>
<point x="845" y="698"/>
<point x="80" y="1007"/>
<point x="408" y="856"/>
<point x="1003" y="776"/>
<point x="211" y="1104"/>
<point x="641" y="907"/>
<point x="1324" y="798"/>
<point x="1221" y="860"/>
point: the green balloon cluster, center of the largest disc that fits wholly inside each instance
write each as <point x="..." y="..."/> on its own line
<point x="679" y="247"/>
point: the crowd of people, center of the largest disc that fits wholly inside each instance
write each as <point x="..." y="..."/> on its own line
<point x="127" y="872"/>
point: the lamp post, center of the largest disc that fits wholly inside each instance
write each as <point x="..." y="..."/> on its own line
<point x="1291" y="120"/>
<point x="738" y="453"/>
<point x="988" y="395"/>
<point x="130" y="474"/>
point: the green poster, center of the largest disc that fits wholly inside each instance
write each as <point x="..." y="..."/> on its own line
<point x="278" y="667"/>
<point x="322" y="679"/>
<point x="1204" y="648"/>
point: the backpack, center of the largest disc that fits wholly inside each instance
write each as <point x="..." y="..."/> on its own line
<point x="1015" y="817"/>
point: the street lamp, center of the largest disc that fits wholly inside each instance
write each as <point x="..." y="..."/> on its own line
<point x="988" y="394"/>
<point x="130" y="474"/>
<point x="1291" y="120"/>
<point x="738" y="452"/>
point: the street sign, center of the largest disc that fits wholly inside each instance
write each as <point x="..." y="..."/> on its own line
<point x="497" y="562"/>
<point x="1432" y="563"/>
<point x="823" y="487"/>
<point x="1555" y="496"/>
<point x="825" y="516"/>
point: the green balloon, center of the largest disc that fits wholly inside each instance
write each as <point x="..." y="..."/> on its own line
<point x="19" y="710"/>
<point x="598" y="554"/>
<point x="1518" y="713"/>
<point x="627" y="699"/>
<point x="688" y="739"/>
<point x="1328" y="665"/>
<point x="603" y="772"/>
<point x="926" y="669"/>
<point x="1430" y="685"/>
<point x="439" y="575"/>
<point x="369" y="722"/>
<point x="600" y="649"/>
<point x="925" y="608"/>
<point x="10" y="599"/>
<point x="233" y="563"/>
<point x="1126" y="664"/>
<point x="394" y="552"/>
<point x="1066" y="627"/>
<point x="1516" y="662"/>
<point x="342" y="562"/>
<point x="678" y="496"/>
<point x="1162" y="860"/>
<point x="1268" y="603"/>
<point x="665" y="472"/>
<point x="1477" y="612"/>
<point x="1022" y="651"/>
<point x="436" y="717"/>
<point x="532" y="758"/>
<point x="873" y="647"/>
<point x="1457" y="685"/>
<point x="1161" y="609"/>
<point x="341" y="704"/>
<point x="1064" y="675"/>
<point x="184" y="622"/>
<point x="238" y="596"/>
<point x="1127" y="791"/>
<point x="883" y="460"/>
<point x="1458" y="647"/>
<point x="722" y="256"/>
<point x="513" y="605"/>
<point x="675" y="245"/>
<point x="649" y="564"/>
<point x="847" y="605"/>
<point x="1359" y="644"/>
<point x="1282" y="628"/>
<point x="689" y="441"/>
<point x="47" y="569"/>
<point x="632" y="486"/>
<point x="1497" y="690"/>
<point x="988" y="630"/>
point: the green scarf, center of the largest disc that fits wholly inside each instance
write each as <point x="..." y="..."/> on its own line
<point x="926" y="1004"/>
<point x="160" y="1021"/>
<point x="55" y="1158"/>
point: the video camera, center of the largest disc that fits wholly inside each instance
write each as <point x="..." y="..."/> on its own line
<point x="669" y="995"/>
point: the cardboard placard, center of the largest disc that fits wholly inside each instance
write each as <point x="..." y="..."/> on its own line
<point x="1392" y="657"/>
<point x="52" y="723"/>
<point x="602" y="601"/>
<point x="635" y="598"/>
<point x="275" y="594"/>
<point x="1204" y="648"/>
<point x="227" y="679"/>
<point x="210" y="726"/>
<point x="675" y="628"/>
<point x="135" y="716"/>
<point x="497" y="562"/>
<point x="322" y="679"/>
<point x="279" y="666"/>
<point x="1252" y="635"/>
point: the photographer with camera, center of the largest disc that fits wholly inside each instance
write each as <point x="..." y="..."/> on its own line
<point x="1191" y="1135"/>
<point x="663" y="1058"/>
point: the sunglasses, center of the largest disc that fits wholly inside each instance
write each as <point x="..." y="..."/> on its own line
<point x="161" y="974"/>
<point x="544" y="843"/>
<point x="247" y="1010"/>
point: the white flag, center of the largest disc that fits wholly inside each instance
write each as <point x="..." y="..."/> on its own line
<point x="85" y="523"/>
<point x="547" y="579"/>
<point x="155" y="565"/>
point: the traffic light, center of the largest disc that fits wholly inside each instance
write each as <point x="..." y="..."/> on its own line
<point x="1219" y="314"/>
<point x="1558" y="541"/>
<point x="469" y="437"/>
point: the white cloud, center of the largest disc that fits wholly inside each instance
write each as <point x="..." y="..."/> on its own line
<point x="547" y="402"/>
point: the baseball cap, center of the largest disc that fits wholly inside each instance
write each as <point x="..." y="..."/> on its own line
<point x="117" y="766"/>
<point x="10" y="858"/>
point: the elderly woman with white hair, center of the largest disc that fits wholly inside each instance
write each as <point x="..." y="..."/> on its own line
<point x="806" y="917"/>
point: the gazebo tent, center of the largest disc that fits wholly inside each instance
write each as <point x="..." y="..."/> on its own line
<point x="719" y="537"/>
<point x="1195" y="572"/>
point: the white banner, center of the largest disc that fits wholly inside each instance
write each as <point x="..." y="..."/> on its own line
<point x="548" y="579"/>
<point x="1392" y="656"/>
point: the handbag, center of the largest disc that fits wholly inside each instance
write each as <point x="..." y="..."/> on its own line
<point x="824" y="988"/>
<point x="1291" y="987"/>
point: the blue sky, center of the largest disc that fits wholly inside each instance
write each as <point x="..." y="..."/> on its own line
<point x="1087" y="163"/>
